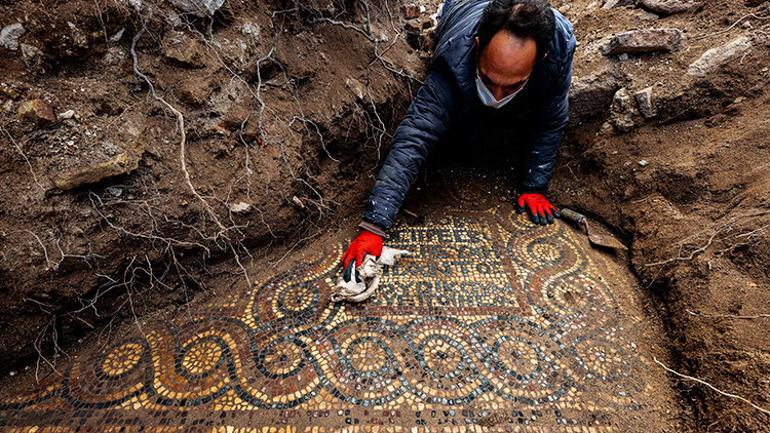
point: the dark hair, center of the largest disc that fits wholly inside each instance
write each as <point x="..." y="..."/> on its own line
<point x="523" y="18"/>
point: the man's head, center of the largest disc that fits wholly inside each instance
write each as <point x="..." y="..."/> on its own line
<point x="513" y="35"/>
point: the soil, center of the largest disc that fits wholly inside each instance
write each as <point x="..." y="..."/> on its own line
<point x="688" y="189"/>
<point x="329" y="104"/>
<point x="696" y="211"/>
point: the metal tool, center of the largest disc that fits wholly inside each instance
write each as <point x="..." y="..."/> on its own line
<point x="580" y="221"/>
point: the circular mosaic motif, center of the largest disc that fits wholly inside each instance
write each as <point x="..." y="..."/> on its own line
<point x="122" y="359"/>
<point x="282" y="358"/>
<point x="362" y="363"/>
<point x="200" y="357"/>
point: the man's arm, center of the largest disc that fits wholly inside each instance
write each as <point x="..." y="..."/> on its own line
<point x="425" y="122"/>
<point x="547" y="139"/>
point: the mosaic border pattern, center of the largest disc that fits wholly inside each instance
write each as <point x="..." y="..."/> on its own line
<point x="554" y="356"/>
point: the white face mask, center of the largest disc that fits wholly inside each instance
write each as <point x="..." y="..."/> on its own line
<point x="486" y="96"/>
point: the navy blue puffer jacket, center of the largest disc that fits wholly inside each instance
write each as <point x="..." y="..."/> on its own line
<point x="449" y="97"/>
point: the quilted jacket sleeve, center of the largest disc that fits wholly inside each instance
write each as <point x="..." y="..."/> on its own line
<point x="547" y="139"/>
<point x="426" y="121"/>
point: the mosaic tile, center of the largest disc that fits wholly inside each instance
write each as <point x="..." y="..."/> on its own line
<point x="494" y="324"/>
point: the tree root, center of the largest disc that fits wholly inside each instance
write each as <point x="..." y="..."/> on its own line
<point x="719" y="391"/>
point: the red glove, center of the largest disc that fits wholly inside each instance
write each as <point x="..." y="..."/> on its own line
<point x="365" y="243"/>
<point x="539" y="209"/>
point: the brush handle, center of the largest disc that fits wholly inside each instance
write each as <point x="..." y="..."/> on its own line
<point x="575" y="218"/>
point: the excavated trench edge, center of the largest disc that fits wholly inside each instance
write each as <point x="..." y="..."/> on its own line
<point x="507" y="229"/>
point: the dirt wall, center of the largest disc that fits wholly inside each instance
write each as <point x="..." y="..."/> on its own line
<point x="678" y="165"/>
<point x="108" y="210"/>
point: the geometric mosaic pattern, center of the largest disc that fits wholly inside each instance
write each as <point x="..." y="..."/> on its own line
<point x="494" y="324"/>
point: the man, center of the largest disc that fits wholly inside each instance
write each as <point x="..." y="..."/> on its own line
<point x="506" y="62"/>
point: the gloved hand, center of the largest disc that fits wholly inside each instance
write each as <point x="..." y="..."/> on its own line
<point x="356" y="284"/>
<point x="365" y="243"/>
<point x="538" y="207"/>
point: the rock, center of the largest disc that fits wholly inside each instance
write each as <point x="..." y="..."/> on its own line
<point x="251" y="29"/>
<point x="621" y="102"/>
<point x="643" y="163"/>
<point x="240" y="208"/>
<point x="412" y="26"/>
<point x="297" y="202"/>
<point x="78" y="41"/>
<point x="136" y="4"/>
<point x="410" y="10"/>
<point x="114" y="55"/>
<point x="174" y="20"/>
<point x="418" y="25"/>
<point x="122" y="163"/>
<point x="11" y="90"/>
<point x="644" y="103"/>
<point x="357" y="87"/>
<point x="183" y="49"/>
<point x="415" y="28"/>
<point x="114" y="191"/>
<point x="9" y="36"/>
<point x="591" y="96"/>
<point x="37" y="111"/>
<point x="667" y="7"/>
<point x="196" y="90"/>
<point x="622" y="111"/>
<point x="69" y="114"/>
<point x="200" y="8"/>
<point x="716" y="57"/>
<point x="643" y="41"/>
<point x="32" y="56"/>
<point x="609" y="4"/>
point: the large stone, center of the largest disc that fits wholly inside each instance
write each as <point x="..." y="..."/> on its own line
<point x="667" y="7"/>
<point x="714" y="58"/>
<point x="201" y="8"/>
<point x="643" y="41"/>
<point x="122" y="163"/>
<point x="183" y="49"/>
<point x="37" y="111"/>
<point x="591" y="96"/>
<point x="9" y="36"/>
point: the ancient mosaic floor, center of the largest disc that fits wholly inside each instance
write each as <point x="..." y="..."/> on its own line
<point x="494" y="325"/>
